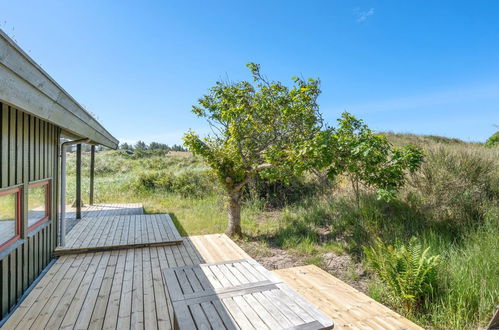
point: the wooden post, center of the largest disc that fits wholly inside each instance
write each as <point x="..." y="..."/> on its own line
<point x="78" y="181"/>
<point x="26" y="165"/>
<point x="92" y="173"/>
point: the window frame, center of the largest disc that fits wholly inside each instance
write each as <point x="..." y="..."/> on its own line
<point x="18" y="192"/>
<point x="37" y="184"/>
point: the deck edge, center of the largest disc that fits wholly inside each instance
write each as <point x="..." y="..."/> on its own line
<point x="62" y="252"/>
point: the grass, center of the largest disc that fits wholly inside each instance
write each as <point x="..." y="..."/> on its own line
<point x="471" y="279"/>
<point x="450" y="206"/>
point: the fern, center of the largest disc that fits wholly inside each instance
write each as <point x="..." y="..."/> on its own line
<point x="408" y="271"/>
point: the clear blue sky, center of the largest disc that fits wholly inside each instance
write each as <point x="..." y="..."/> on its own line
<point x="425" y="67"/>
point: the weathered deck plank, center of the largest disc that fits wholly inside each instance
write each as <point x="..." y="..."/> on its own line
<point x="347" y="307"/>
<point x="101" y="290"/>
<point x="101" y="210"/>
<point x="100" y="234"/>
<point x="90" y="290"/>
<point x="193" y="294"/>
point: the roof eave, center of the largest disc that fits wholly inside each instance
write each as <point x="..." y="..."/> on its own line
<point x="25" y="85"/>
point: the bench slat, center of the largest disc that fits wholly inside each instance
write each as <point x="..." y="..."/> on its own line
<point x="238" y="294"/>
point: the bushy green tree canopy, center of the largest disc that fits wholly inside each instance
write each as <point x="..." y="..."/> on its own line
<point x="354" y="150"/>
<point x="493" y="140"/>
<point x="267" y="128"/>
<point x="256" y="127"/>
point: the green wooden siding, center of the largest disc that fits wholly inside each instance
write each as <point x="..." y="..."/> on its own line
<point x="29" y="149"/>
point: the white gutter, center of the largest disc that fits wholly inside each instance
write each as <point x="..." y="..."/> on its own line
<point x="62" y="240"/>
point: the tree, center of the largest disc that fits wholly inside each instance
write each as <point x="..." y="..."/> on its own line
<point x="256" y="128"/>
<point x="352" y="149"/>
<point x="125" y="146"/>
<point x="493" y="140"/>
<point x="140" y="145"/>
<point x="158" y="146"/>
<point x="177" y="147"/>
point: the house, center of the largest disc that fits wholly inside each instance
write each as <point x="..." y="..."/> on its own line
<point x="36" y="115"/>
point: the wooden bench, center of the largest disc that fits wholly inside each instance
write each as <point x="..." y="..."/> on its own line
<point x="238" y="294"/>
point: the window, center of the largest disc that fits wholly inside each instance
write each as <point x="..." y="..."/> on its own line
<point x="10" y="216"/>
<point x="38" y="203"/>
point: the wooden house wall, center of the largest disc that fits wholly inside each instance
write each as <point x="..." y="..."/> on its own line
<point x="29" y="152"/>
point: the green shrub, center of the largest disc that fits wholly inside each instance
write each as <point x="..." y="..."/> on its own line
<point x="493" y="141"/>
<point x="187" y="183"/>
<point x="408" y="271"/>
<point x="145" y="181"/>
<point x="454" y="183"/>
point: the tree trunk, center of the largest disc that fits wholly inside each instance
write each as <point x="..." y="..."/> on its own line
<point x="234" y="226"/>
<point x="356" y="190"/>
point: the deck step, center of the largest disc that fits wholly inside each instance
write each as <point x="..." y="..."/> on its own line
<point x="346" y="306"/>
<point x="94" y="234"/>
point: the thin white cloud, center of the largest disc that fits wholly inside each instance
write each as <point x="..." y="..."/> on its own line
<point x="363" y="15"/>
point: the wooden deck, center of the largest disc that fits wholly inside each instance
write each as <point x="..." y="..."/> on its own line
<point x="114" y="289"/>
<point x="346" y="306"/>
<point x="123" y="289"/>
<point x="120" y="232"/>
<point x="101" y="210"/>
<point x="8" y="227"/>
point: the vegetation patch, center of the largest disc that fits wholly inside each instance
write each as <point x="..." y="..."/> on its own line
<point x="408" y="271"/>
<point x="450" y="206"/>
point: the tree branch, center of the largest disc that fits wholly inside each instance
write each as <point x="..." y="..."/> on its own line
<point x="250" y="173"/>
